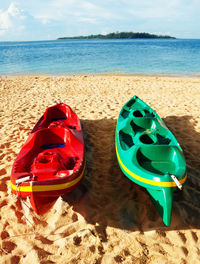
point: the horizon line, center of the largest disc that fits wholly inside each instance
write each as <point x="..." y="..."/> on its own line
<point x="71" y="38"/>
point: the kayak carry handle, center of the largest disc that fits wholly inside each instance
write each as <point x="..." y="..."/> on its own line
<point x="21" y="180"/>
<point x="179" y="185"/>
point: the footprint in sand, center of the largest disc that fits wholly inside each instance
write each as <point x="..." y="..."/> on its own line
<point x="183" y="237"/>
<point x="3" y="185"/>
<point x="8" y="246"/>
<point x="194" y="236"/>
<point x="4" y="235"/>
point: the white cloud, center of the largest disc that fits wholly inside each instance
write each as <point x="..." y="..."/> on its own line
<point x="44" y="19"/>
<point x="9" y="19"/>
<point x="62" y="10"/>
<point x="154" y="13"/>
<point x="5" y="21"/>
<point x="39" y="19"/>
<point x="88" y="6"/>
<point x="89" y="20"/>
<point x="13" y="10"/>
<point x="18" y="24"/>
<point x="155" y="9"/>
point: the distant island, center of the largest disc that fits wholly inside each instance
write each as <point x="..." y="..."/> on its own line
<point x="122" y="35"/>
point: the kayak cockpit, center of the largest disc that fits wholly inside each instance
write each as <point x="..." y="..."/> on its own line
<point x="161" y="160"/>
<point x="50" y="154"/>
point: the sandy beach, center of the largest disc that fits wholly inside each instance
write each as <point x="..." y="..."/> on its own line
<point x="107" y="219"/>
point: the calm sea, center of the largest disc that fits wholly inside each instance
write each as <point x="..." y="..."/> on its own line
<point x="141" y="56"/>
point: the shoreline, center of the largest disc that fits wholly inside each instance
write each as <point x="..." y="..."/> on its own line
<point x="102" y="74"/>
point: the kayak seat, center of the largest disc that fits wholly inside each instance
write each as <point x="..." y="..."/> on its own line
<point x="49" y="163"/>
<point x="60" y="124"/>
<point x="142" y="124"/>
<point x="156" y="139"/>
<point x="159" y="159"/>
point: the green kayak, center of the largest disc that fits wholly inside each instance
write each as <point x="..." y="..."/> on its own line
<point x="149" y="154"/>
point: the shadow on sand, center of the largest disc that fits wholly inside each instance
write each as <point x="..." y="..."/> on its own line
<point x="107" y="198"/>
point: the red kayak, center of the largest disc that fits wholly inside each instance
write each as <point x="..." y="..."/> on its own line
<point x="52" y="161"/>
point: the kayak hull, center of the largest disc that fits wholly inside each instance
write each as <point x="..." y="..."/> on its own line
<point x="52" y="161"/>
<point x="148" y="154"/>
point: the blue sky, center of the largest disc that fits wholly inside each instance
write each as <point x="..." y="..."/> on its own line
<point x="50" y="19"/>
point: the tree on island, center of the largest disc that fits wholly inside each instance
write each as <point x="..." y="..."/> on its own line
<point x="122" y="35"/>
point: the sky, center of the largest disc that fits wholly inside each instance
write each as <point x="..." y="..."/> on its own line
<point x="26" y="20"/>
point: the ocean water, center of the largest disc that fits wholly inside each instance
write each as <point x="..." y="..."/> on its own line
<point x="137" y="56"/>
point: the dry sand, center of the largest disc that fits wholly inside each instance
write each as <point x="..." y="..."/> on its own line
<point x="108" y="219"/>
